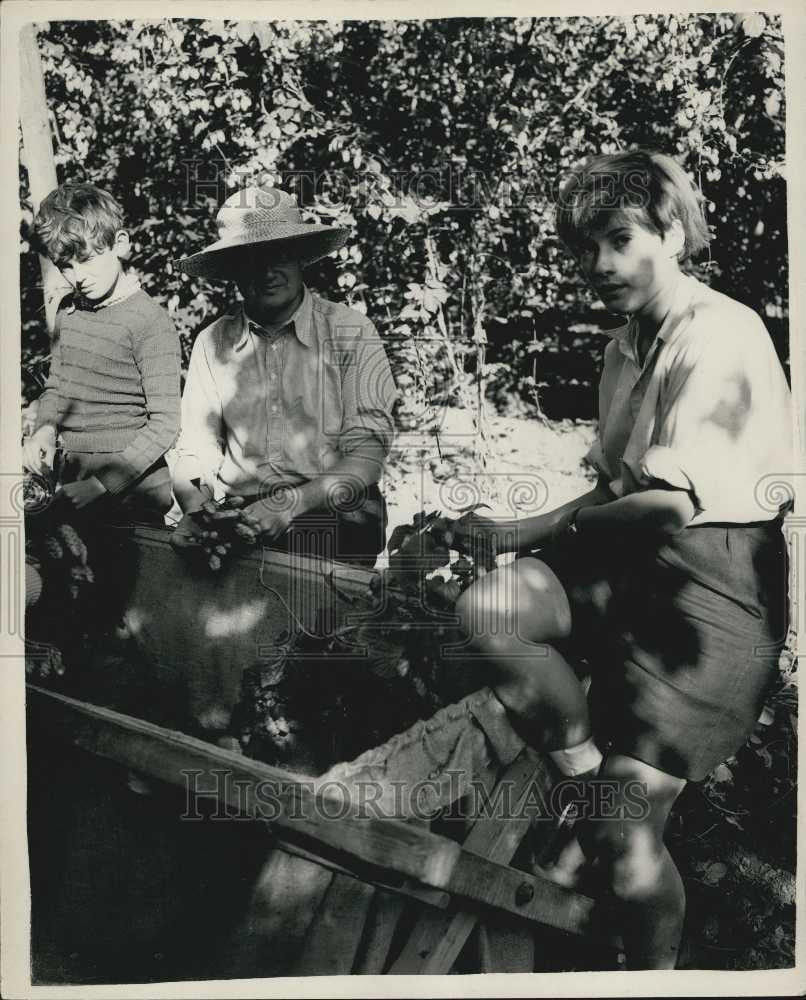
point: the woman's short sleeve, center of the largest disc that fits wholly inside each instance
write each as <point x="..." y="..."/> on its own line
<point x="723" y="422"/>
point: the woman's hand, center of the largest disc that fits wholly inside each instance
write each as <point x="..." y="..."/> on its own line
<point x="477" y="537"/>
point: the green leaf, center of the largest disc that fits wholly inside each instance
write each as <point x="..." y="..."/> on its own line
<point x="715" y="873"/>
<point x="264" y="34"/>
<point x="399" y="536"/>
<point x="245" y="30"/>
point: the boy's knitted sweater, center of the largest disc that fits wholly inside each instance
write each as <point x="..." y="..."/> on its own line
<point x="113" y="387"/>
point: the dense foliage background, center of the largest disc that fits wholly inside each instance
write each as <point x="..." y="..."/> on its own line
<point x="440" y="143"/>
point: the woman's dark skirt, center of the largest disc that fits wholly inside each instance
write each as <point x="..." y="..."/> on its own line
<point x="683" y="639"/>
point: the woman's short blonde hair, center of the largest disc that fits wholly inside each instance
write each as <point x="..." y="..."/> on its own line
<point x="648" y="184"/>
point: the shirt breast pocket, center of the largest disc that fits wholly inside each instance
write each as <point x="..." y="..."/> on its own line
<point x="331" y="401"/>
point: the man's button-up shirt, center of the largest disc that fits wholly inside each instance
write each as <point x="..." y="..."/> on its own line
<point x="263" y="407"/>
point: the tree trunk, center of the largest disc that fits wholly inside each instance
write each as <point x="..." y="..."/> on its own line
<point x="38" y="154"/>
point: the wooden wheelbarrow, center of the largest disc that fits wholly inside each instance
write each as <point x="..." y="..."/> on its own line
<point x="351" y="879"/>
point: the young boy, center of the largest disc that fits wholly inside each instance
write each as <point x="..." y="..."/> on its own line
<point x="113" y="389"/>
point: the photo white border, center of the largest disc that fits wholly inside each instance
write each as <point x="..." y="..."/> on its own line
<point x="14" y="899"/>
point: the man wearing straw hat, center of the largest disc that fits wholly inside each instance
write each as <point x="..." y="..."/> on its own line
<point x="288" y="399"/>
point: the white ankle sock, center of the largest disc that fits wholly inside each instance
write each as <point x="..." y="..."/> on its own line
<point x="580" y="759"/>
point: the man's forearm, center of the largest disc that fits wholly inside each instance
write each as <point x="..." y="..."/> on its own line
<point x="350" y="475"/>
<point x="188" y="496"/>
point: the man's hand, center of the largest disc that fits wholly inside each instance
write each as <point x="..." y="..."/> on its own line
<point x="267" y="521"/>
<point x="187" y="534"/>
<point x="82" y="493"/>
<point x="39" y="450"/>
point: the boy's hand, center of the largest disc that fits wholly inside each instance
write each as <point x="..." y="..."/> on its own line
<point x="83" y="492"/>
<point x="39" y="450"/>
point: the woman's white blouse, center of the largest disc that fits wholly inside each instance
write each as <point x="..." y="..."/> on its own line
<point x="709" y="412"/>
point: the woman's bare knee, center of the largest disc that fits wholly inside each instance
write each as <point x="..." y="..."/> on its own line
<point x="541" y="593"/>
<point x="519" y="603"/>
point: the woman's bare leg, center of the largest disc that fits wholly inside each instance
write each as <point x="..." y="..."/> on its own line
<point x="643" y="879"/>
<point x="511" y="617"/>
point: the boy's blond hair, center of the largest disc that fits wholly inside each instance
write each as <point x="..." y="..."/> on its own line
<point x="74" y="220"/>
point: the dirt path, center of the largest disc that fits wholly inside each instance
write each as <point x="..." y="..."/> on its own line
<point x="534" y="466"/>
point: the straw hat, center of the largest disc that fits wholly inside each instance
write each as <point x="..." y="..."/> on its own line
<point x="262" y="215"/>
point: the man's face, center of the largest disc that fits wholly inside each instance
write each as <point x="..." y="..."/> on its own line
<point x="270" y="283"/>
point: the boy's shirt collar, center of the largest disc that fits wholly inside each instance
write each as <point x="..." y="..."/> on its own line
<point x="126" y="285"/>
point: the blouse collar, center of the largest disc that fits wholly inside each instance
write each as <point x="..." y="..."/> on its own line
<point x="627" y="336"/>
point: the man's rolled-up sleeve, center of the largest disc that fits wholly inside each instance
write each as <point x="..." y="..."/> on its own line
<point x="368" y="396"/>
<point x="199" y="450"/>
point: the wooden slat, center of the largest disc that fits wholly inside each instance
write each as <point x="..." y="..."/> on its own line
<point x="332" y="943"/>
<point x="497" y="886"/>
<point x="284" y="902"/>
<point x="506" y="947"/>
<point x="438" y="938"/>
<point x="350" y="579"/>
<point x="406" y="888"/>
<point x="382" y="922"/>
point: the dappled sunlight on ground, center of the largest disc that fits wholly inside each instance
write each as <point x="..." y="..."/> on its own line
<point x="533" y="467"/>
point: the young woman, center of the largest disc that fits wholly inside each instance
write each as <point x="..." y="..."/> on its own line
<point x="670" y="576"/>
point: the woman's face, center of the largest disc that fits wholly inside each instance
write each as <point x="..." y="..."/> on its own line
<point x="628" y="265"/>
